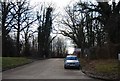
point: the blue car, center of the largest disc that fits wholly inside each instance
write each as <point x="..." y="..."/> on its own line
<point x="71" y="61"/>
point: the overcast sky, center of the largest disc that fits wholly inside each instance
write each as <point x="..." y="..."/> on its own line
<point x="58" y="3"/>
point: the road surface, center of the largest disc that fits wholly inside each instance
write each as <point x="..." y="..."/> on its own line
<point x="44" y="69"/>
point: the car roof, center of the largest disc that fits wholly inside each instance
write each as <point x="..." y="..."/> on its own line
<point x="71" y="56"/>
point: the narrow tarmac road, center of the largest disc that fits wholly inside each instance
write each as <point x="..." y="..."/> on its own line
<point x="44" y="69"/>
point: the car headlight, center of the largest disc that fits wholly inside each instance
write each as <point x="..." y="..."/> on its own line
<point x="65" y="62"/>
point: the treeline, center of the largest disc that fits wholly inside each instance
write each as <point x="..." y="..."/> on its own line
<point x="95" y="28"/>
<point x="58" y="48"/>
<point x="24" y="32"/>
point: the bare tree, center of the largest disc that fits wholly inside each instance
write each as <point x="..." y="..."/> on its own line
<point x="44" y="30"/>
<point x="7" y="23"/>
<point x="75" y="24"/>
<point x="22" y="22"/>
<point x="109" y="17"/>
<point x="27" y="34"/>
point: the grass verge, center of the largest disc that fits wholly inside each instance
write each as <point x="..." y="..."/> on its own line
<point x="107" y="68"/>
<point x="11" y="62"/>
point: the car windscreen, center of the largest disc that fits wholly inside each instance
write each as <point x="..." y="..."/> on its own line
<point x="71" y="58"/>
